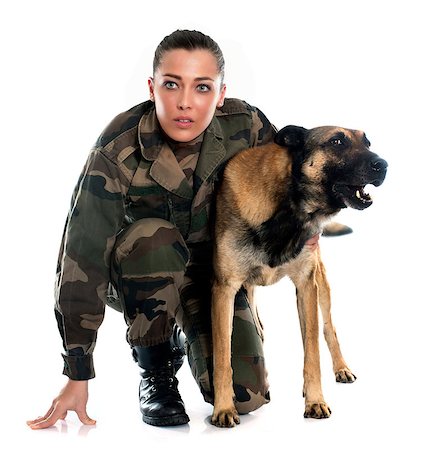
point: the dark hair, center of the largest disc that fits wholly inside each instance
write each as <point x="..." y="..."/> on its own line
<point x="189" y="40"/>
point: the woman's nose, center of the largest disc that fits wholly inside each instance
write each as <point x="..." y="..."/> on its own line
<point x="184" y="100"/>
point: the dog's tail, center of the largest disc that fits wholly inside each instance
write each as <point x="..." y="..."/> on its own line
<point x="336" y="229"/>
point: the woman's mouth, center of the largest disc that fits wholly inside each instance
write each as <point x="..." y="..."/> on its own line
<point x="183" y="122"/>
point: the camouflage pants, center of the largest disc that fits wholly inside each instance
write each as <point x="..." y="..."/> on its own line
<point x="156" y="280"/>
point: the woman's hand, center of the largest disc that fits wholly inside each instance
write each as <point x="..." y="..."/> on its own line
<point x="73" y="397"/>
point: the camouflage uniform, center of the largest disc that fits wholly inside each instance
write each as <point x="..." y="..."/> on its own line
<point x="138" y="238"/>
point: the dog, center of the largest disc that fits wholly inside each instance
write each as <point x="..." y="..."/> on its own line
<point x="271" y="207"/>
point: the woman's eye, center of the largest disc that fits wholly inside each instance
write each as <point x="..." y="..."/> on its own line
<point x="170" y="84"/>
<point x="203" y="88"/>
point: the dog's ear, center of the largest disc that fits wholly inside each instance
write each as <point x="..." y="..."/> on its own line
<point x="291" y="136"/>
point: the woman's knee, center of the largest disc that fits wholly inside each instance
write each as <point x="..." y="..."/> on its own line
<point x="250" y="383"/>
<point x="150" y="246"/>
<point x="249" y="373"/>
<point x="147" y="271"/>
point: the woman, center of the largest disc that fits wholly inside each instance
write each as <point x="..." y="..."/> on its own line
<point x="138" y="237"/>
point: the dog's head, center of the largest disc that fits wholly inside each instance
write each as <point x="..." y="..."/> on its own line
<point x="334" y="161"/>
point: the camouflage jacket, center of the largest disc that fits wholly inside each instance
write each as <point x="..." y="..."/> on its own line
<point x="130" y="174"/>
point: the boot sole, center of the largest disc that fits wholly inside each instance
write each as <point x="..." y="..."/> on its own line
<point x="179" y="419"/>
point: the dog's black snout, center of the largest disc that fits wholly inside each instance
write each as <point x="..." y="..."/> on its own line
<point x="378" y="167"/>
<point x="379" y="164"/>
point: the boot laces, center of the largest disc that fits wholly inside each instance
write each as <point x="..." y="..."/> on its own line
<point x="163" y="378"/>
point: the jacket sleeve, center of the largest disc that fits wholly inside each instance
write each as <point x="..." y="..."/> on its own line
<point x="83" y="271"/>
<point x="262" y="131"/>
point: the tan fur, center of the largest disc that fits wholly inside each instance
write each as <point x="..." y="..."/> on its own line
<point x="268" y="173"/>
<point x="253" y="184"/>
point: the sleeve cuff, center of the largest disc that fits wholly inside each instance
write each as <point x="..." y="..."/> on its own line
<point x="78" y="367"/>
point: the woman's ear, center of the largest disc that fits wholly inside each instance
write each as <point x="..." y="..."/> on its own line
<point x="221" y="96"/>
<point x="150" y="83"/>
<point x="291" y="136"/>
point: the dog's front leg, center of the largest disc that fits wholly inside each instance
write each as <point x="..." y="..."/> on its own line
<point x="307" y="304"/>
<point x="224" y="413"/>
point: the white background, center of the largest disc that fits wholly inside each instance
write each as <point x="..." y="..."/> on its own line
<point x="69" y="67"/>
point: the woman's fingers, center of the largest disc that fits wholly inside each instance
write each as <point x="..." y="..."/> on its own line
<point x="30" y="422"/>
<point x="55" y="413"/>
<point x="41" y="418"/>
<point x="85" y="419"/>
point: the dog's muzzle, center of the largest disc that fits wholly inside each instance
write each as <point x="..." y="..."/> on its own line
<point x="353" y="195"/>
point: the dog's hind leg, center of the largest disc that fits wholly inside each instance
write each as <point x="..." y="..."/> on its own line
<point x="342" y="372"/>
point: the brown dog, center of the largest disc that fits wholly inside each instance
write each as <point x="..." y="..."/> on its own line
<point x="270" y="210"/>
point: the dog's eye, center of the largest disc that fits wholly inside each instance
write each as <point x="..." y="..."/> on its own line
<point x="336" y="142"/>
<point x="339" y="141"/>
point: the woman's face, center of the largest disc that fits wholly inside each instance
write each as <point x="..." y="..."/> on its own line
<point x="186" y="89"/>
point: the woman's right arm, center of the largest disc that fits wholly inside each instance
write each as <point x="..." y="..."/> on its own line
<point x="96" y="214"/>
<point x="95" y="217"/>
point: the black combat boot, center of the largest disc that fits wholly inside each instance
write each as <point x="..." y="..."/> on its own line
<point x="160" y="401"/>
<point x="177" y="342"/>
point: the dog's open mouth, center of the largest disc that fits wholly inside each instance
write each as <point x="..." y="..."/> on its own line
<point x="353" y="196"/>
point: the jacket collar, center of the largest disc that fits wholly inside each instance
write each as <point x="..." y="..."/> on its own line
<point x="212" y="152"/>
<point x="165" y="169"/>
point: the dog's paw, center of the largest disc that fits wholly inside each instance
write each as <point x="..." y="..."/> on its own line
<point x="225" y="418"/>
<point x="345" y="376"/>
<point x="317" y="411"/>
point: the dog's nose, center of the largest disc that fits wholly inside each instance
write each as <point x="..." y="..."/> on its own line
<point x="379" y="165"/>
<point x="379" y="170"/>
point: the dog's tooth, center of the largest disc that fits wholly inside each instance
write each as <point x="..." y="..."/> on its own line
<point x="358" y="194"/>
